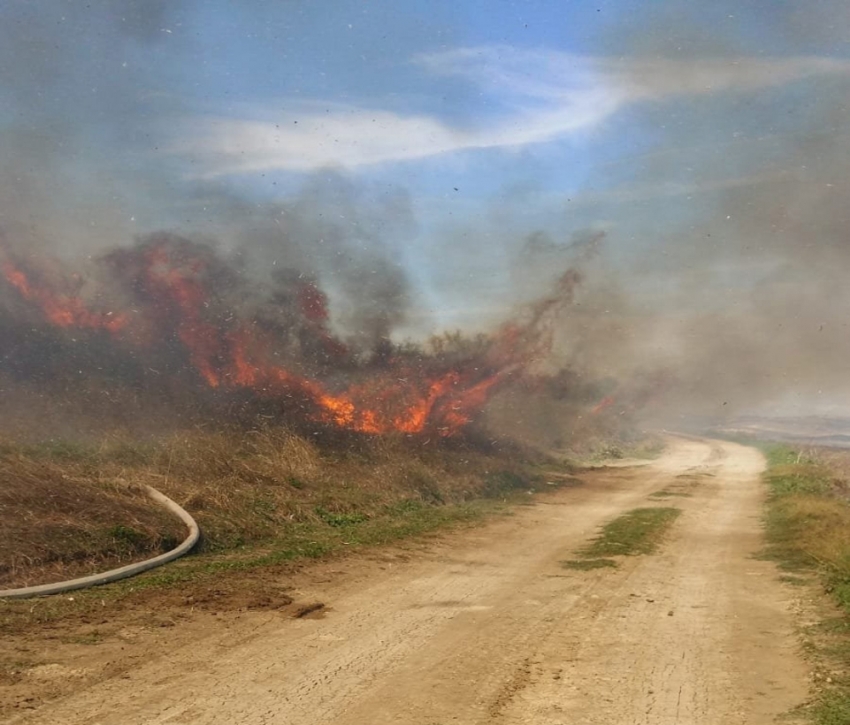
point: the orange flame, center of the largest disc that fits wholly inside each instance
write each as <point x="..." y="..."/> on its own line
<point x="60" y="310"/>
<point x="606" y="402"/>
<point x="234" y="357"/>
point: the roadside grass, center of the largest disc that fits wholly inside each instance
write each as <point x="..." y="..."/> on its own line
<point x="51" y="523"/>
<point x="644" y="448"/>
<point x="246" y="568"/>
<point x="589" y="564"/>
<point x="639" y="531"/>
<point x="264" y="501"/>
<point x="808" y="531"/>
<point x="636" y="532"/>
<point x="832" y="709"/>
<point x="670" y="493"/>
<point x="314" y="540"/>
<point x="68" y="509"/>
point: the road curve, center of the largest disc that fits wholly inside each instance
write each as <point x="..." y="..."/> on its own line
<point x="488" y="627"/>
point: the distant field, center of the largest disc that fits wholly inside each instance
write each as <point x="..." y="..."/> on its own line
<point x="803" y="430"/>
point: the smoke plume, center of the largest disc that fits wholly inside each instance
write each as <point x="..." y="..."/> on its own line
<point x="699" y="270"/>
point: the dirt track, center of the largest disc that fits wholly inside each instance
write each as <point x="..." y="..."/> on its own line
<point x="487" y="626"/>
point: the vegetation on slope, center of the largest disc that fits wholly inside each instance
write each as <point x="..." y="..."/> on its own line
<point x="266" y="495"/>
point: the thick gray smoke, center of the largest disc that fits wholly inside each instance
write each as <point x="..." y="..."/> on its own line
<point x="332" y="230"/>
<point x="720" y="285"/>
<point x="733" y="237"/>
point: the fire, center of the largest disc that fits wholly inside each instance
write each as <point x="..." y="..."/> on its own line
<point x="606" y="402"/>
<point x="413" y="420"/>
<point x="181" y="290"/>
<point x="60" y="310"/>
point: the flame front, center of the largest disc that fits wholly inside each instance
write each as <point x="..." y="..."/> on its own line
<point x="231" y="352"/>
<point x="60" y="310"/>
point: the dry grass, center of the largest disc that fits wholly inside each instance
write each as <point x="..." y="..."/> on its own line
<point x="54" y="525"/>
<point x="244" y="489"/>
<point x="819" y="528"/>
<point x="808" y="518"/>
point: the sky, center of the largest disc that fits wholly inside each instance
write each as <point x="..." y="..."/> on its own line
<point x="453" y="101"/>
<point x="472" y="143"/>
<point x="456" y="103"/>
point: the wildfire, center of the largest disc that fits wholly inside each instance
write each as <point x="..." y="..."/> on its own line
<point x="180" y="292"/>
<point x="606" y="402"/>
<point x="60" y="310"/>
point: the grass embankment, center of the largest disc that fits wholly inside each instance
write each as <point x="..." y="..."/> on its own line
<point x="53" y="527"/>
<point x="261" y="499"/>
<point x="808" y="529"/>
<point x="639" y="531"/>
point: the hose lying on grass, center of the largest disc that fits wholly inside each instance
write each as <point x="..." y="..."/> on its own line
<point x="125" y="571"/>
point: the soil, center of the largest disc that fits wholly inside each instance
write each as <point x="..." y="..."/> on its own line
<point x="480" y="625"/>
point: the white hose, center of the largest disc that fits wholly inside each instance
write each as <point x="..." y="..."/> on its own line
<point x="125" y="571"/>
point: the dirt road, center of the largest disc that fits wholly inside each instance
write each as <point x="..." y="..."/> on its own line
<point x="487" y="626"/>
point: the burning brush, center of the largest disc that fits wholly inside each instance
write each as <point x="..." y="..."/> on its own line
<point x="183" y="304"/>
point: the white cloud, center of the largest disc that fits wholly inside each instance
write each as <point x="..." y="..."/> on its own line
<point x="301" y="142"/>
<point x="553" y="75"/>
<point x="545" y="95"/>
<point x="642" y="192"/>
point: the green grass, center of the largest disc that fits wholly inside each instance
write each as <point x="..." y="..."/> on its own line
<point x="639" y="531"/>
<point x="589" y="564"/>
<point x="309" y="540"/>
<point x="808" y="532"/>
<point x="833" y="708"/>
<point x="668" y="493"/>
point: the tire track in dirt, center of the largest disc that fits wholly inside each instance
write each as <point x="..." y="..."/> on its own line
<point x="700" y="633"/>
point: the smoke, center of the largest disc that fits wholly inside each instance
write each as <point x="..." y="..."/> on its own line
<point x="73" y="88"/>
<point x="253" y="301"/>
<point x="82" y="167"/>
<point x="171" y="313"/>
<point x="730" y="291"/>
<point x="708" y="270"/>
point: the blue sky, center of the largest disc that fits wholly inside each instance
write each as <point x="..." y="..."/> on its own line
<point x="439" y="96"/>
<point x="582" y="109"/>
<point x="477" y="97"/>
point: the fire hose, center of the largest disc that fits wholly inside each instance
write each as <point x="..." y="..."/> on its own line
<point x="123" y="572"/>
